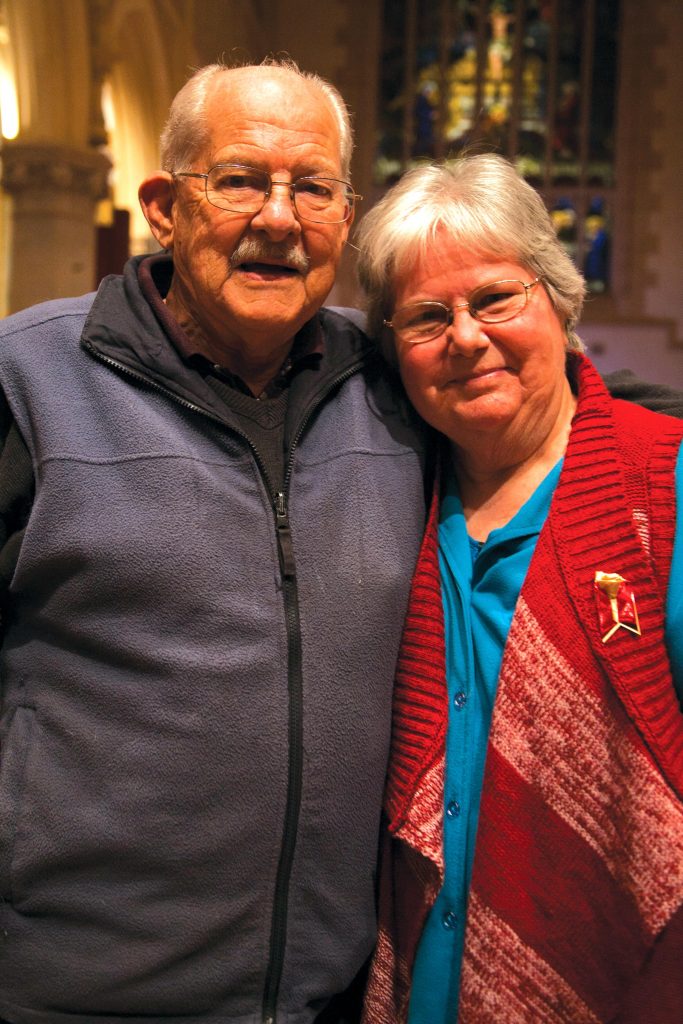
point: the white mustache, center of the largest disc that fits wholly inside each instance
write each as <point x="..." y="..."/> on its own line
<point x="255" y="250"/>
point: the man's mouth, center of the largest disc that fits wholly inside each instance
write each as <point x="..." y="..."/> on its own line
<point x="268" y="259"/>
<point x="269" y="269"/>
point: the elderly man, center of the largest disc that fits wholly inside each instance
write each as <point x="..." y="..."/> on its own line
<point x="211" y="507"/>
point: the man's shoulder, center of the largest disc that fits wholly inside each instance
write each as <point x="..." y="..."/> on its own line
<point x="660" y="398"/>
<point x="347" y="347"/>
<point x="355" y="316"/>
<point x="344" y="340"/>
<point x="343" y="329"/>
<point x="35" y="319"/>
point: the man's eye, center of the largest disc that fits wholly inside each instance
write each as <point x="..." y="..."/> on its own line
<point x="316" y="189"/>
<point x="236" y="181"/>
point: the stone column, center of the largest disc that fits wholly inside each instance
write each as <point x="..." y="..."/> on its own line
<point x="54" y="191"/>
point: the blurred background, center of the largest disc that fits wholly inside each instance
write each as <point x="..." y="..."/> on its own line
<point x="584" y="95"/>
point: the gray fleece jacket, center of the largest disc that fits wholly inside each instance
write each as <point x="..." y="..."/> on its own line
<point x="196" y="676"/>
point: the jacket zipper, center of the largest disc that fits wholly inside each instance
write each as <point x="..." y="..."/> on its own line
<point x="278" y="923"/>
<point x="278" y="930"/>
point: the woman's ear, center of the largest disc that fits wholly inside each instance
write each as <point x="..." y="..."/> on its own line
<point x="156" y="199"/>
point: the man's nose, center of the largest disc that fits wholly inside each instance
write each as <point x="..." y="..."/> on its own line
<point x="277" y="217"/>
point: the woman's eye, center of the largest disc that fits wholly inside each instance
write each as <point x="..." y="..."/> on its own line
<point x="491" y="300"/>
<point x="424" y="318"/>
<point x="423" y="321"/>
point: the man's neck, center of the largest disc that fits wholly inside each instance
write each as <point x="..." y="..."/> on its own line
<point x="264" y="376"/>
<point x="255" y="364"/>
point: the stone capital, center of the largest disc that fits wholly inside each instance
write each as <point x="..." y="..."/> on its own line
<point x="30" y="168"/>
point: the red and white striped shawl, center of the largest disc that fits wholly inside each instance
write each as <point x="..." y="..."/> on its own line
<point x="576" y="905"/>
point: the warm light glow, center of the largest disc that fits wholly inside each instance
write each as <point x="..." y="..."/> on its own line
<point x="9" y="108"/>
<point x="108" y="109"/>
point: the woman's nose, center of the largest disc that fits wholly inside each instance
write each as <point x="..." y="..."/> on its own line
<point x="465" y="334"/>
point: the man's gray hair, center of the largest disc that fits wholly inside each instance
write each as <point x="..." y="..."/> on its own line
<point x="187" y="131"/>
<point x="488" y="209"/>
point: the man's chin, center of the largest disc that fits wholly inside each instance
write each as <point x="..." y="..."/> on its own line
<point x="277" y="309"/>
<point x="265" y="302"/>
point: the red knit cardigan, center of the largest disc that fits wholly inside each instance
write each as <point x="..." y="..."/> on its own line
<point x="576" y="903"/>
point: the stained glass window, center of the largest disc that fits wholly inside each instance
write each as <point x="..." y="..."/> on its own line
<point x="532" y="79"/>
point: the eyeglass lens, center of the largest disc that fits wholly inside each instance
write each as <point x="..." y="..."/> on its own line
<point x="244" y="190"/>
<point x="492" y="303"/>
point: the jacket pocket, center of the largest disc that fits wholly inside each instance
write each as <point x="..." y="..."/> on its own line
<point x="14" y="748"/>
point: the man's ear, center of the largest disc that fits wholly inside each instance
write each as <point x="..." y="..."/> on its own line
<point x="156" y="199"/>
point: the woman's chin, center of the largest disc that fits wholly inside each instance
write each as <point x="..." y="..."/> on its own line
<point x="482" y="416"/>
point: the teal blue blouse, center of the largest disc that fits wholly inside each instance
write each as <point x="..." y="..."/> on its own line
<point x="480" y="586"/>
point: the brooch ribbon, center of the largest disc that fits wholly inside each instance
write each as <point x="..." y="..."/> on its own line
<point x="616" y="605"/>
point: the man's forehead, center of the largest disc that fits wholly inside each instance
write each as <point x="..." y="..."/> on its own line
<point x="243" y="99"/>
<point x="254" y="84"/>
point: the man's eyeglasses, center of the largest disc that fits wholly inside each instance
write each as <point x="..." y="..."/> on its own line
<point x="245" y="190"/>
<point x="491" y="304"/>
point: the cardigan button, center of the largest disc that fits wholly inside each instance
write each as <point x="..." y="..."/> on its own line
<point x="453" y="809"/>
<point x="449" y="920"/>
<point x="460" y="699"/>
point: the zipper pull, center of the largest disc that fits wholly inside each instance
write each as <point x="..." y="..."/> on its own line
<point x="284" y="537"/>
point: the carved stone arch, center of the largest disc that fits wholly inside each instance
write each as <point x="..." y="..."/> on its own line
<point x="142" y="49"/>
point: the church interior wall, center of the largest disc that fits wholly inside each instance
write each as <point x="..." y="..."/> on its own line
<point x="145" y="49"/>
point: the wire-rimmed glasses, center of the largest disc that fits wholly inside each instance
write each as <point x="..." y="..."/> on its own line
<point x="492" y="303"/>
<point x="241" y="189"/>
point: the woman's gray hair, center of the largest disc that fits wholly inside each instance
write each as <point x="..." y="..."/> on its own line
<point x="187" y="131"/>
<point x="486" y="207"/>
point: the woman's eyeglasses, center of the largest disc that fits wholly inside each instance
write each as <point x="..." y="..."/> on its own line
<point x="491" y="304"/>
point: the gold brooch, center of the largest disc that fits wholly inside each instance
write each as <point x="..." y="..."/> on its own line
<point x="616" y="605"/>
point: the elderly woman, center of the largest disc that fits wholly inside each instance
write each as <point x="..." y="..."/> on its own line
<point x="534" y="869"/>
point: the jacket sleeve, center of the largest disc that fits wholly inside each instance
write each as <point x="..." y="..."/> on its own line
<point x="658" y="397"/>
<point x="17" y="488"/>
